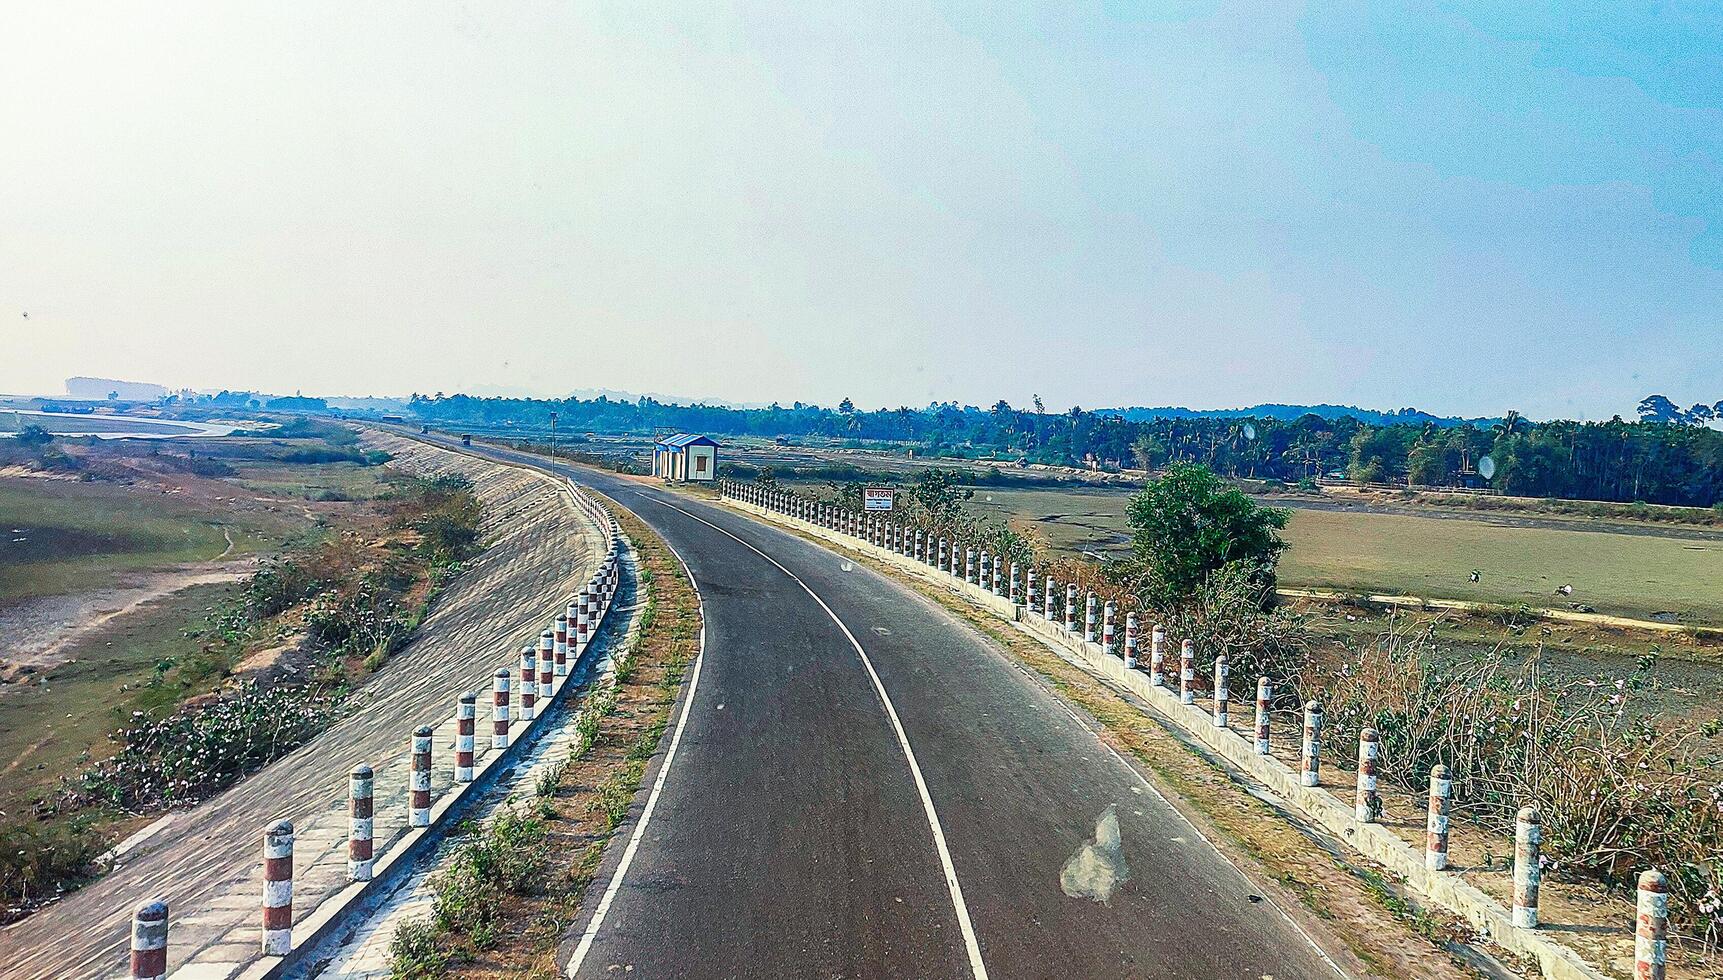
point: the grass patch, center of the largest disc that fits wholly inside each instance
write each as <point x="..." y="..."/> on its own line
<point x="57" y="536"/>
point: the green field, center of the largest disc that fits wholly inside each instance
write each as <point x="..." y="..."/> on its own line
<point x="60" y="536"/>
<point x="1639" y="575"/>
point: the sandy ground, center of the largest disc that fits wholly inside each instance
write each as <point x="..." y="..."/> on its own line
<point x="40" y="631"/>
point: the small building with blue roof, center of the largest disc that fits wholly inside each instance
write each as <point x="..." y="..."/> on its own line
<point x="685" y="458"/>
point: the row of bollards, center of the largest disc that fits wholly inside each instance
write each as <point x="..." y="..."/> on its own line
<point x="538" y="669"/>
<point x="1039" y="595"/>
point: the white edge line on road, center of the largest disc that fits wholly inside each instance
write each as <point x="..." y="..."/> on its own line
<point x="976" y="967"/>
<point x="580" y="952"/>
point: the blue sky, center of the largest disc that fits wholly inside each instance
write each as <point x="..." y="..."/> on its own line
<point x="1467" y="207"/>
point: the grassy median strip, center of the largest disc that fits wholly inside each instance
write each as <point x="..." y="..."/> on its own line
<point x="514" y="887"/>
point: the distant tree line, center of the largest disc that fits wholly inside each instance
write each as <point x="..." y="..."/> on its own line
<point x="1670" y="456"/>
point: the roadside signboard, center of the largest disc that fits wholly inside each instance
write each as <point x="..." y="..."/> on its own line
<point x="877" y="498"/>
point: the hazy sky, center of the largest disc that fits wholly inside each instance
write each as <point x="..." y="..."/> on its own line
<point x="1463" y="209"/>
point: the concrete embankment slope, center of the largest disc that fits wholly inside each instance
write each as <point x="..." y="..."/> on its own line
<point x="206" y="862"/>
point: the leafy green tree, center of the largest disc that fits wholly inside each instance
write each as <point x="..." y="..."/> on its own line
<point x="940" y="493"/>
<point x="1189" y="524"/>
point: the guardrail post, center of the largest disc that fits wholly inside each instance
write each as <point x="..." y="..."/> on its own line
<point x="419" y="803"/>
<point x="1158" y="656"/>
<point x="986" y="580"/>
<point x="969" y="565"/>
<point x="1310" y="771"/>
<point x="561" y="648"/>
<point x="1651" y="930"/>
<point x="1187" y="672"/>
<point x="150" y="941"/>
<point x="1365" y="803"/>
<point x="998" y="576"/>
<point x="528" y="689"/>
<point x="580" y="624"/>
<point x="1222" y="689"/>
<point x="1130" y="641"/>
<point x="278" y="888"/>
<point x="1528" y="872"/>
<point x="359" y="825"/>
<point x="1109" y="612"/>
<point x="546" y="644"/>
<point x="944" y="556"/>
<point x="1070" y="608"/>
<point x="1050" y="602"/>
<point x="500" y="710"/>
<point x="1032" y="595"/>
<point x="1436" y="821"/>
<point x="1089" y="618"/>
<point x="466" y="718"/>
<point x="1264" y="694"/>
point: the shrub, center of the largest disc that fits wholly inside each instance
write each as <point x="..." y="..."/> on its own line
<point x="1230" y="613"/>
<point x="33" y="436"/>
<point x="417" y="951"/>
<point x="201" y="749"/>
<point x="1619" y="791"/>
<point x="1189" y="524"/>
<point x="39" y="860"/>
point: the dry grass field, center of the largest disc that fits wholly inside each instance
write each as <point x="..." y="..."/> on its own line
<point x="1643" y="575"/>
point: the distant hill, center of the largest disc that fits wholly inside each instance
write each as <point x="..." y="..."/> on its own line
<point x="1403" y="416"/>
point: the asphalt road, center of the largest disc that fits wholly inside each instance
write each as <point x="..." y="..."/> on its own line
<point x="792" y="837"/>
<point x="203" y="860"/>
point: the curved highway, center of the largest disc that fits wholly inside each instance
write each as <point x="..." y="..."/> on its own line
<point x="861" y="786"/>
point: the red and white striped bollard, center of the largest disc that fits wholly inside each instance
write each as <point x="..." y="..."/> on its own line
<point x="419" y="798"/>
<point x="1310" y="763"/>
<point x="1187" y="672"/>
<point x="278" y="888"/>
<point x="1528" y="866"/>
<point x="360" y="828"/>
<point x="150" y="941"/>
<point x="1365" y="803"/>
<point x="1222" y="689"/>
<point x="1651" y="928"/>
<point x="500" y="710"/>
<point x="546" y="667"/>
<point x="1158" y="656"/>
<point x="1130" y="641"/>
<point x="466" y="721"/>
<point x="1436" y="819"/>
<point x="1264" y="695"/>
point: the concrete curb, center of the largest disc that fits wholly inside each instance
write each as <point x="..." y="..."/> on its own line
<point x="1373" y="841"/>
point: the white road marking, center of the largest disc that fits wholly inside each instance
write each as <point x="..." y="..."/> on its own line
<point x="580" y="952"/>
<point x="976" y="967"/>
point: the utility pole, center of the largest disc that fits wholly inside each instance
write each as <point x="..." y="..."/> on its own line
<point x="553" y="433"/>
